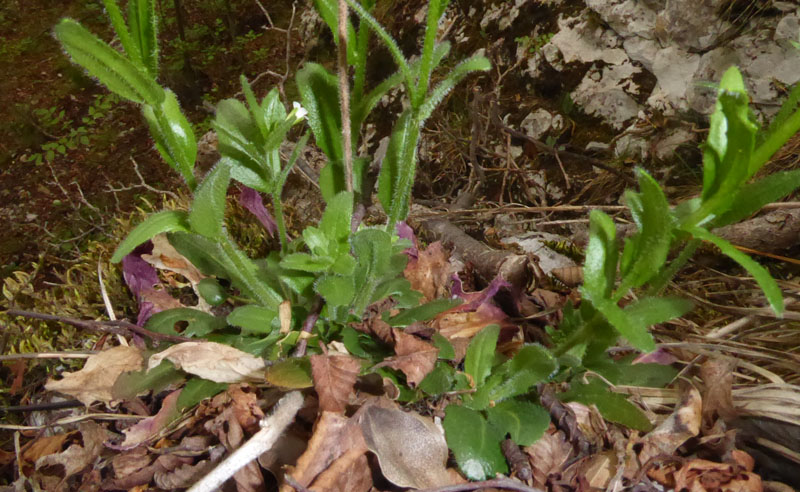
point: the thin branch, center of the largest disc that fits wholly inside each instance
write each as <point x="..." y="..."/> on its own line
<point x="115" y="327"/>
<point x="308" y="325"/>
<point x="49" y="355"/>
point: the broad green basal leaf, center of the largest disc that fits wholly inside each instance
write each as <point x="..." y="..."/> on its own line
<point x="614" y="406"/>
<point x="252" y="319"/>
<point x="199" y="322"/>
<point x="475" y="443"/>
<point x="523" y="420"/>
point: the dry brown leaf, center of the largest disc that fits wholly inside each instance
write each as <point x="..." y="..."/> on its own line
<point x="132" y="468"/>
<point x="213" y="361"/>
<point x="95" y="381"/>
<point x="466" y="324"/>
<point x="78" y="456"/>
<point x="43" y="446"/>
<point x="333" y="436"/>
<point x="411" y="450"/>
<point x="701" y="475"/>
<point x="717" y="375"/>
<point x="683" y="424"/>
<point x="415" y="358"/>
<point x="428" y="273"/>
<point x="151" y="426"/>
<point x="349" y="473"/>
<point x="334" y="377"/>
<point x="548" y="456"/>
<point x="165" y="257"/>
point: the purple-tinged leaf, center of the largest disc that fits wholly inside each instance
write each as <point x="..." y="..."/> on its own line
<point x="251" y="200"/>
<point x="138" y="274"/>
<point x="404" y="231"/>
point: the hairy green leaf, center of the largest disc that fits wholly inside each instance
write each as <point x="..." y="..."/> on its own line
<point x="142" y="20"/>
<point x="475" y="63"/>
<point x="759" y="273"/>
<point x="751" y="197"/>
<point x="252" y="319"/>
<point x="647" y="250"/>
<point x="111" y="68"/>
<point x="197" y="390"/>
<point x="480" y="354"/>
<point x="600" y="265"/>
<point x="424" y="312"/>
<point x="613" y="406"/>
<point x="336" y="290"/>
<point x="208" y="207"/>
<point x="530" y="366"/>
<point x="199" y="323"/>
<point x="475" y="443"/>
<point x="336" y="218"/>
<point x="173" y="134"/>
<point x="524" y="421"/>
<point x="124" y="35"/>
<point x="320" y="93"/>
<point x="439" y="380"/>
<point x="166" y="221"/>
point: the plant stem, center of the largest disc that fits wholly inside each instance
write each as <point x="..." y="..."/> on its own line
<point x="583" y="334"/>
<point x="344" y="97"/>
<point x="260" y="290"/>
<point x="774" y="142"/>
<point x="431" y="27"/>
<point x="278" y="207"/>
<point x="665" y="275"/>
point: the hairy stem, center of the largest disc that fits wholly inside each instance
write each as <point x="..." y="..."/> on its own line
<point x="344" y="97"/>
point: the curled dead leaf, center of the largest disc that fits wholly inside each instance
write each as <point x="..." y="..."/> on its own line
<point x="213" y="361"/>
<point x="411" y="449"/>
<point x="95" y="381"/>
<point x="334" y="377"/>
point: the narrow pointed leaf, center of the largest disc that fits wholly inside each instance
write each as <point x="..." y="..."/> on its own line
<point x="121" y="28"/>
<point x="111" y="68"/>
<point x="759" y="273"/>
<point x="750" y="198"/>
<point x="143" y="30"/>
<point x="319" y="91"/>
<point x="167" y="221"/>
<point x="600" y="266"/>
<point x="474" y="64"/>
<point x="173" y="134"/>
<point x="650" y="246"/>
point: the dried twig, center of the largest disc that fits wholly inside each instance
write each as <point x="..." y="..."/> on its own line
<point x="262" y="441"/>
<point x="497" y="483"/>
<point x="115" y="327"/>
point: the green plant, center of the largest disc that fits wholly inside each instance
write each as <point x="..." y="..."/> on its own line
<point x="347" y="267"/>
<point x="320" y="93"/>
<point x="64" y="134"/>
<point x="334" y="270"/>
<point x="533" y="45"/>
<point x="730" y="159"/>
